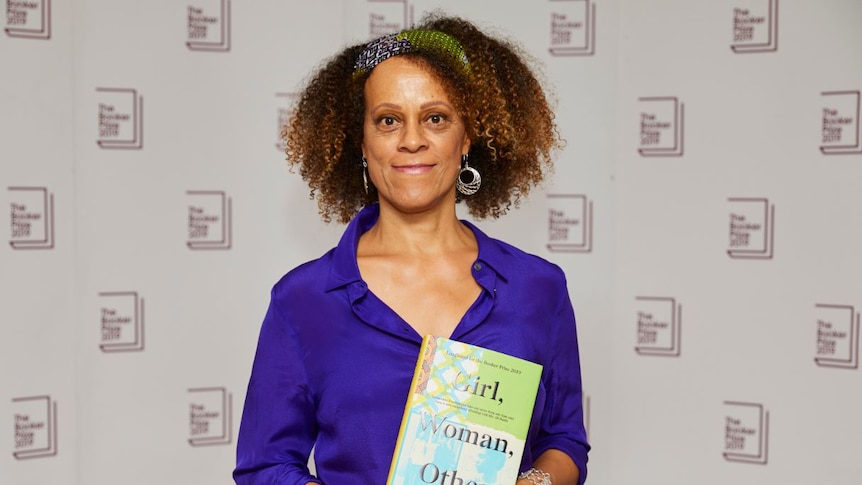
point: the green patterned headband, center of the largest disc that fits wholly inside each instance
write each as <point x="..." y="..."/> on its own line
<point x="390" y="45"/>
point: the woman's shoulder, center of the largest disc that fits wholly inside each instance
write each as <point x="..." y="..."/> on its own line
<point x="306" y="277"/>
<point x="511" y="258"/>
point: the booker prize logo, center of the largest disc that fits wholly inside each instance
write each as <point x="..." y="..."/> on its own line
<point x="286" y="102"/>
<point x="35" y="424"/>
<point x="121" y="118"/>
<point x="752" y="228"/>
<point x="121" y="320"/>
<point x="659" y="326"/>
<point x="572" y="28"/>
<point x="841" y="131"/>
<point x="388" y="16"/>
<point x="210" y="219"/>
<point x="746" y="432"/>
<point x="755" y="26"/>
<point x="570" y="223"/>
<point x="209" y="26"/>
<point x="210" y="416"/>
<point x="661" y="127"/>
<point x="837" y="336"/>
<point x="31" y="218"/>
<point x="28" y="19"/>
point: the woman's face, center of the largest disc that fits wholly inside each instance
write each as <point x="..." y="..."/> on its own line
<point x="413" y="138"/>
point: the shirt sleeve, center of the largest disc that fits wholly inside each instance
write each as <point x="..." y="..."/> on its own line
<point x="562" y="426"/>
<point x="278" y="426"/>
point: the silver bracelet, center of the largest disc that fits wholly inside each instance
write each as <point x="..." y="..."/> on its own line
<point x="536" y="477"/>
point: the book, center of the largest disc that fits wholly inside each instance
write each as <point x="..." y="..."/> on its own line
<point x="466" y="418"/>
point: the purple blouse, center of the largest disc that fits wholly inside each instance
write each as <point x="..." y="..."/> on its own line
<point x="333" y="364"/>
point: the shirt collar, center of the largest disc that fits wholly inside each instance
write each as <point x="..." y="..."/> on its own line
<point x="345" y="270"/>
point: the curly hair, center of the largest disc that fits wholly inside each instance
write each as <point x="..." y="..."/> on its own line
<point x="507" y="116"/>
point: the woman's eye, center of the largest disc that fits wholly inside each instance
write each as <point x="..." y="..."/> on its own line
<point x="436" y="119"/>
<point x="388" y="120"/>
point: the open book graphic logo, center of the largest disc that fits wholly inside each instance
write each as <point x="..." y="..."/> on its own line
<point x="573" y="28"/>
<point x="285" y="106"/>
<point x="31" y="218"/>
<point x="388" y="16"/>
<point x="30" y="19"/>
<point x="841" y="131"/>
<point x="35" y="424"/>
<point x="121" y="321"/>
<point x="755" y="26"/>
<point x="121" y="118"/>
<point x="209" y="220"/>
<point x="659" y="326"/>
<point x="209" y="26"/>
<point x="661" y="127"/>
<point x="752" y="228"/>
<point x="570" y="223"/>
<point x="746" y="432"/>
<point x="837" y="336"/>
<point x="210" y="416"/>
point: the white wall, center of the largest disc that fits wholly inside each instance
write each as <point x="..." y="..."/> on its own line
<point x="148" y="212"/>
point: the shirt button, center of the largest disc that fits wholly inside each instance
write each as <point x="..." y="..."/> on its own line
<point x="477" y="266"/>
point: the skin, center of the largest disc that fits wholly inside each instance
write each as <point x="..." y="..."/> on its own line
<point x="417" y="258"/>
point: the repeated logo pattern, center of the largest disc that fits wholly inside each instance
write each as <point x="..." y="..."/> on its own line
<point x="659" y="326"/>
<point x="837" y="336"/>
<point x="755" y="27"/>
<point x="35" y="425"/>
<point x="28" y="19"/>
<point x="121" y="320"/>
<point x="210" y="220"/>
<point x="573" y="28"/>
<point x="31" y="218"/>
<point x="661" y="127"/>
<point x="752" y="228"/>
<point x="209" y="27"/>
<point x="121" y="119"/>
<point x="388" y="16"/>
<point x="570" y="223"/>
<point x="746" y="432"/>
<point x="210" y="416"/>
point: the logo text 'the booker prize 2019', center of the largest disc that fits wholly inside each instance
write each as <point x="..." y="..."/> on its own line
<point x="210" y="416"/>
<point x="35" y="427"/>
<point x="121" y="321"/>
<point x="746" y="432"/>
<point x="755" y="26"/>
<point x="659" y="326"/>
<point x="28" y="19"/>
<point x="837" y="331"/>
<point x="388" y="16"/>
<point x="572" y="28"/>
<point x="570" y="223"/>
<point x="751" y="233"/>
<point x="120" y="113"/>
<point x="210" y="220"/>
<point x="209" y="26"/>
<point x="31" y="218"/>
<point x="841" y="128"/>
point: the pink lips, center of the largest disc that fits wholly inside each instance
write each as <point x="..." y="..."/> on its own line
<point x="413" y="169"/>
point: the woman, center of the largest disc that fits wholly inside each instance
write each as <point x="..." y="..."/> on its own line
<point x="390" y="136"/>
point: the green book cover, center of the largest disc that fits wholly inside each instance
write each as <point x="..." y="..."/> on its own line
<point x="466" y="417"/>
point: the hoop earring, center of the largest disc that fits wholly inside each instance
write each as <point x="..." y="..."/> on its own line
<point x="365" y="174"/>
<point x="469" y="179"/>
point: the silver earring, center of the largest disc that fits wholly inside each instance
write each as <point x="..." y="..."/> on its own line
<point x="469" y="179"/>
<point x="365" y="174"/>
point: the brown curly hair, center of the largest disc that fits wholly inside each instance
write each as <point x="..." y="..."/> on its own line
<point x="508" y="119"/>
